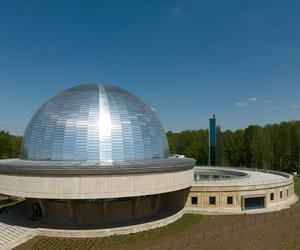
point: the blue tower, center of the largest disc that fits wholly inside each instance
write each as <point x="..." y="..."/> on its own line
<point x="214" y="142"/>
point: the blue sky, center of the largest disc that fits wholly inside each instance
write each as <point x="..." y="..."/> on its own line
<point x="186" y="59"/>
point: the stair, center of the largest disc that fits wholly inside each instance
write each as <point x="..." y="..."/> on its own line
<point x="10" y="235"/>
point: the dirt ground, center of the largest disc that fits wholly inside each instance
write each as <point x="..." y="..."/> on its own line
<point x="265" y="231"/>
<point x="276" y="233"/>
<point x="279" y="230"/>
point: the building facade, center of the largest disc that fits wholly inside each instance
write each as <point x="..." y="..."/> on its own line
<point x="232" y="190"/>
<point x="96" y="153"/>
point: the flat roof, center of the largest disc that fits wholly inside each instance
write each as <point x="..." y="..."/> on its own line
<point x="27" y="167"/>
<point x="253" y="177"/>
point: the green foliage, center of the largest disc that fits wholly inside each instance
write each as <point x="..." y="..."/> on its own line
<point x="9" y="145"/>
<point x="297" y="190"/>
<point x="297" y="186"/>
<point x="193" y="144"/>
<point x="185" y="222"/>
<point x="47" y="243"/>
<point x="274" y="146"/>
<point x="11" y="203"/>
<point x="115" y="241"/>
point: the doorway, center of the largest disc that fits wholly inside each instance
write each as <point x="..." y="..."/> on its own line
<point x="254" y="203"/>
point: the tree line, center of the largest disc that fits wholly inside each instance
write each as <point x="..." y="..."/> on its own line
<point x="274" y="146"/>
<point x="9" y="145"/>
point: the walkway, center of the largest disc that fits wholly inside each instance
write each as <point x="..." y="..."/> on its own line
<point x="11" y="235"/>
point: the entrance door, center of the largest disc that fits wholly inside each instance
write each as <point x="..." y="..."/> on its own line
<point x="254" y="203"/>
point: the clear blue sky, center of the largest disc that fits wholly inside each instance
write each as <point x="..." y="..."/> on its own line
<point x="187" y="59"/>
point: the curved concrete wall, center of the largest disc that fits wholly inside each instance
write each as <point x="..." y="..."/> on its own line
<point x="92" y="187"/>
<point x="283" y="193"/>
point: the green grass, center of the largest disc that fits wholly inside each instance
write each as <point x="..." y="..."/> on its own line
<point x="51" y="243"/>
<point x="185" y="222"/>
<point x="12" y="203"/>
<point x="297" y="189"/>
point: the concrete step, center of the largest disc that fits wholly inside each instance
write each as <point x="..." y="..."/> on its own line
<point x="10" y="234"/>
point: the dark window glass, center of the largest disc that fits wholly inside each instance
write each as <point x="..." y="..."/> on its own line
<point x="280" y="194"/>
<point x="212" y="200"/>
<point x="229" y="200"/>
<point x="194" y="200"/>
<point x="119" y="199"/>
<point x="272" y="196"/>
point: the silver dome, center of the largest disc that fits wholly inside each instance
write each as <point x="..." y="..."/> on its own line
<point x="94" y="122"/>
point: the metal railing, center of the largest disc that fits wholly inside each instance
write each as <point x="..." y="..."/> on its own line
<point x="246" y="179"/>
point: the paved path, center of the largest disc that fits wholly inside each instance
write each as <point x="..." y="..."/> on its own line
<point x="10" y="235"/>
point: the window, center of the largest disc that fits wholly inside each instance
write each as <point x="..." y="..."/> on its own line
<point x="229" y="200"/>
<point x="194" y="200"/>
<point x="212" y="200"/>
<point x="58" y="200"/>
<point x="280" y="194"/>
<point x="287" y="192"/>
<point x="88" y="201"/>
<point x="119" y="199"/>
<point x="271" y="196"/>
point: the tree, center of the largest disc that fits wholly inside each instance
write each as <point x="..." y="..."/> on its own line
<point x="274" y="146"/>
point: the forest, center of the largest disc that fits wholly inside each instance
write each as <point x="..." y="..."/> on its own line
<point x="274" y="146"/>
<point x="9" y="145"/>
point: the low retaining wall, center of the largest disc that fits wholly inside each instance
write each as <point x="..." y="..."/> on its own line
<point x="99" y="232"/>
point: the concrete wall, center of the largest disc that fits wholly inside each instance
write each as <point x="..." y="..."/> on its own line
<point x="92" y="187"/>
<point x="237" y="193"/>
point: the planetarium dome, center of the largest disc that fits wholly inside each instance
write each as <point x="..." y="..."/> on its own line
<point x="94" y="122"/>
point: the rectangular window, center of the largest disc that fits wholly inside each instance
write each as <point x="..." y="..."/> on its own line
<point x="194" y="200"/>
<point x="229" y="200"/>
<point x="287" y="192"/>
<point x="212" y="200"/>
<point x="272" y="196"/>
<point x="280" y="194"/>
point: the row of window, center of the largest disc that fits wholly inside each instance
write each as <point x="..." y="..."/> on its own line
<point x="272" y="195"/>
<point x="212" y="200"/>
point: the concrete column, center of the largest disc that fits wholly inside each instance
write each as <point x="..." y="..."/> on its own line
<point x="99" y="212"/>
<point x="135" y="203"/>
<point x="70" y="209"/>
<point x="155" y="201"/>
<point x="43" y="205"/>
<point x="266" y="202"/>
<point x="104" y="209"/>
<point x="165" y="201"/>
<point x="186" y="196"/>
<point x="243" y="202"/>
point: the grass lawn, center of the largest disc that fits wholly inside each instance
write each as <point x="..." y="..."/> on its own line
<point x="47" y="243"/>
<point x="12" y="203"/>
<point x="297" y="189"/>
<point x="185" y="222"/>
<point x="293" y="242"/>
